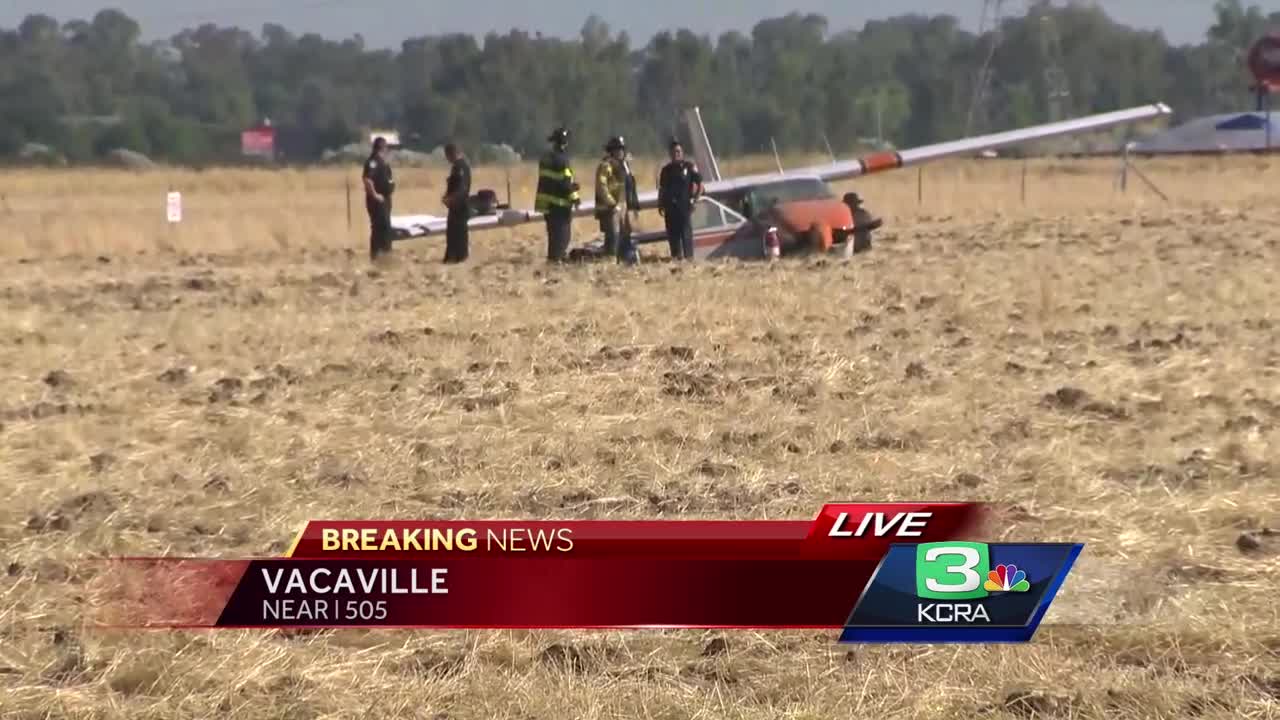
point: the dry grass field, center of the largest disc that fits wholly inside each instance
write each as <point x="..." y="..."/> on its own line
<point x="1103" y="367"/>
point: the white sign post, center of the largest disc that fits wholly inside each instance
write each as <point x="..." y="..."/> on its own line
<point x="173" y="207"/>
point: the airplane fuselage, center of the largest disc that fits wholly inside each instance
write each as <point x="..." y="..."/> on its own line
<point x="805" y="211"/>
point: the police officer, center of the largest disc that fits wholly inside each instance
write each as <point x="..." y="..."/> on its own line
<point x="557" y="196"/>
<point x="456" y="194"/>
<point x="613" y="183"/>
<point x="627" y="246"/>
<point x="679" y="187"/>
<point x="378" y="187"/>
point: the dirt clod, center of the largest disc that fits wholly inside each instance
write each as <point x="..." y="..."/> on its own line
<point x="717" y="646"/>
<point x="688" y="385"/>
<point x="677" y="352"/>
<point x="174" y="375"/>
<point x="225" y="389"/>
<point x="1035" y="704"/>
<point x="341" y="476"/>
<point x="58" y="379"/>
<point x="716" y="469"/>
<point x="1258" y="541"/>
<point x="387" y="337"/>
<point x="99" y="462"/>
<point x="450" y="387"/>
<point x="883" y="441"/>
<point x="1066" y="398"/>
<point x="1198" y="573"/>
<point x="1111" y="411"/>
<point x="429" y="664"/>
<point x="53" y="521"/>
<point x="563" y="657"/>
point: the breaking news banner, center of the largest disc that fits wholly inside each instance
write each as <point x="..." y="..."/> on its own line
<point x="878" y="572"/>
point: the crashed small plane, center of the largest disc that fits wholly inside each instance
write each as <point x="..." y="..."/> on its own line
<point x="785" y="213"/>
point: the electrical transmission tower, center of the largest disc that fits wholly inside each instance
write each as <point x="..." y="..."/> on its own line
<point x="990" y="19"/>
<point x="1057" y="88"/>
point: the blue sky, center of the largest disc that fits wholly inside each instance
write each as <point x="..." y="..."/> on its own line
<point x="386" y="23"/>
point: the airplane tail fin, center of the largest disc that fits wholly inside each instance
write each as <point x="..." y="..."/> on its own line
<point x="701" y="145"/>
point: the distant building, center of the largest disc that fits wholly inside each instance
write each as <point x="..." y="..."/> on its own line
<point x="1225" y="133"/>
<point x="259" y="141"/>
<point x="391" y="136"/>
<point x="279" y="144"/>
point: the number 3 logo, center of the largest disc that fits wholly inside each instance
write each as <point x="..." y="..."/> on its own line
<point x="970" y="578"/>
<point x="951" y="570"/>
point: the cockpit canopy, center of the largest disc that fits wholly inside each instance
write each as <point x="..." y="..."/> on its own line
<point x="755" y="200"/>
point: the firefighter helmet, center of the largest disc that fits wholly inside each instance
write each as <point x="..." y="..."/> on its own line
<point x="615" y="143"/>
<point x="559" y="136"/>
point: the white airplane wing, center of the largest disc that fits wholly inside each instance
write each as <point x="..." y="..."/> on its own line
<point x="410" y="226"/>
<point x="405" y="227"/>
<point x="895" y="159"/>
<point x="413" y="226"/>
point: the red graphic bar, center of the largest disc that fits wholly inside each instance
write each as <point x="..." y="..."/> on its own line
<point x="484" y="592"/>
<point x="582" y="574"/>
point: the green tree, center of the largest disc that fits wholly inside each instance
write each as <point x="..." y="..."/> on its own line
<point x="910" y="78"/>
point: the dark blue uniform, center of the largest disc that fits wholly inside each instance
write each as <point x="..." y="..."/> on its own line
<point x="627" y="251"/>
<point x="456" y="234"/>
<point x="379" y="172"/>
<point x="678" y="184"/>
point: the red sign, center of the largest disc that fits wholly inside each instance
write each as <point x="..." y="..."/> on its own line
<point x="258" y="141"/>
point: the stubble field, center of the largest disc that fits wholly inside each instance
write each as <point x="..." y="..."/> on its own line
<point x="1100" y="366"/>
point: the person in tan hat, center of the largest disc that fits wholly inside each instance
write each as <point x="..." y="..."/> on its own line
<point x="863" y="224"/>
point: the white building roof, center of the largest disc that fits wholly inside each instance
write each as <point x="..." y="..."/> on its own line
<point x="1227" y="132"/>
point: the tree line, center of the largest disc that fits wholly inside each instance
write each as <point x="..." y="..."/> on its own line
<point x="86" y="87"/>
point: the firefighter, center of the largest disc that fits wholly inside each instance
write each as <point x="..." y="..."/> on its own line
<point x="457" y="192"/>
<point x="557" y="196"/>
<point x="679" y="187"/>
<point x="379" y="184"/>
<point x="613" y="182"/>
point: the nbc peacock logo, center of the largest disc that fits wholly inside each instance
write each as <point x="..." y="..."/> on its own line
<point x="1006" y="578"/>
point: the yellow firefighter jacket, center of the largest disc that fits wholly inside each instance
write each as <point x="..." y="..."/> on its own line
<point x="611" y="186"/>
